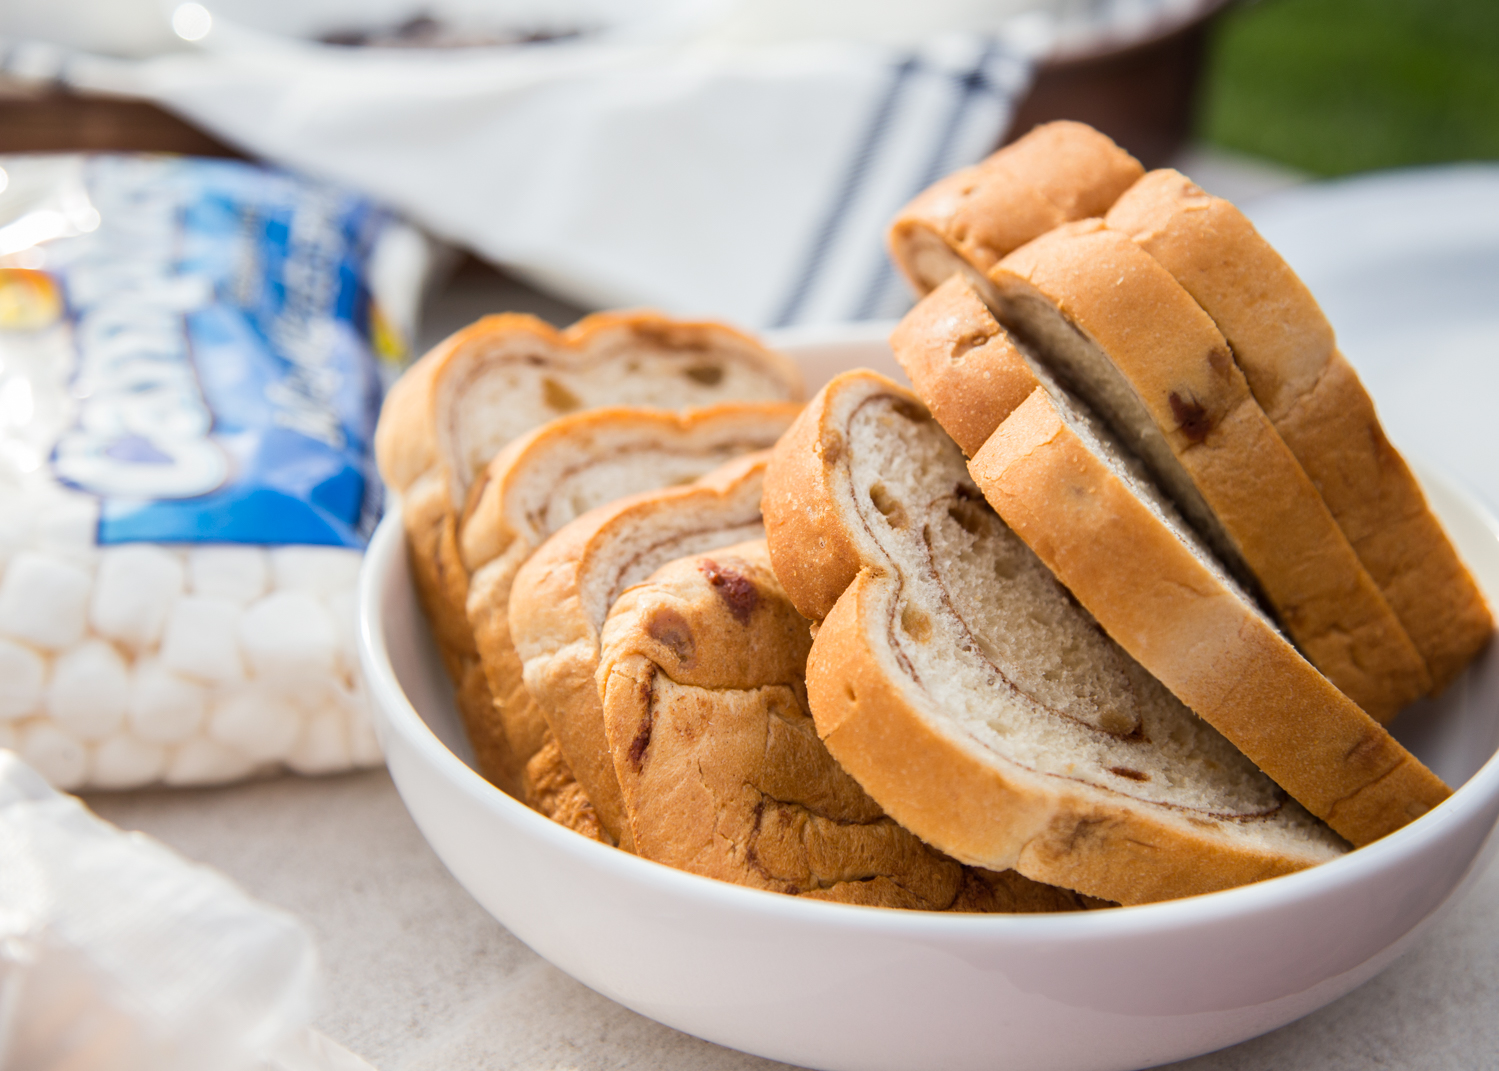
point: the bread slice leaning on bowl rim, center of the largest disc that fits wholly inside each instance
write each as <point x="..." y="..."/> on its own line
<point x="965" y="690"/>
<point x="1284" y="344"/>
<point x="1088" y="509"/>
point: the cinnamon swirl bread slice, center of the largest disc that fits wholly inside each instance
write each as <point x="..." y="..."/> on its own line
<point x="702" y="678"/>
<point x="540" y="482"/>
<point x="970" y="695"/>
<point x="563" y="593"/>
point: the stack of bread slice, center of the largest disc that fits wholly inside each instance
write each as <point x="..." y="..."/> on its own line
<point x="533" y="488"/>
<point x="1141" y="644"/>
<point x="1109" y="610"/>
<point x="1235" y="294"/>
<point x="669" y="667"/>
<point x="968" y="693"/>
<point x="505" y="375"/>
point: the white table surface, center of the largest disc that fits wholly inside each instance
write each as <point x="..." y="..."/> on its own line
<point x="419" y="977"/>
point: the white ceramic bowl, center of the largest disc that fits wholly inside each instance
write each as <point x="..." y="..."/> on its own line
<point x="832" y="986"/>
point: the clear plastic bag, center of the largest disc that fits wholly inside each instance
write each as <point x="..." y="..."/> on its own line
<point x="118" y="955"/>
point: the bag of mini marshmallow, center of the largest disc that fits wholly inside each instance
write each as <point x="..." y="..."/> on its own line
<point x="192" y="355"/>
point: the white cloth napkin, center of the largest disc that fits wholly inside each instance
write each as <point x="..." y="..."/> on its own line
<point x="702" y="176"/>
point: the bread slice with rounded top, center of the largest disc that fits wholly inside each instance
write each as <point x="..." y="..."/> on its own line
<point x="967" y="221"/>
<point x="548" y="477"/>
<point x="1085" y="506"/>
<point x="702" y="678"/>
<point x="970" y="695"/>
<point x="1115" y="327"/>
<point x="563" y="593"/>
<point x="504" y="375"/>
<point x="1310" y="392"/>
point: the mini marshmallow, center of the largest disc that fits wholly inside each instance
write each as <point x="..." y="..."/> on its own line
<point x="122" y="761"/>
<point x="255" y="722"/>
<point x="164" y="708"/>
<point x="319" y="570"/>
<point x="344" y="606"/>
<point x="89" y="690"/>
<point x="201" y="640"/>
<point x="62" y="760"/>
<point x="206" y="762"/>
<point x="134" y="591"/>
<point x="288" y="634"/>
<point x="15" y="523"/>
<point x="364" y="746"/>
<point x="44" y="601"/>
<point x="228" y="571"/>
<point x="67" y="523"/>
<point x="22" y="674"/>
<point x="323" y="746"/>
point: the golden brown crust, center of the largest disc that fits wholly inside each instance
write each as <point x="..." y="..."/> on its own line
<point x="1159" y="602"/>
<point x="813" y="553"/>
<point x="962" y="363"/>
<point x="723" y="775"/>
<point x="1315" y="400"/>
<point x="1058" y="172"/>
<point x="1383" y="510"/>
<point x="557" y="794"/>
<point x="1180" y="367"/>
<point x="555" y="615"/>
<point x="499" y="534"/>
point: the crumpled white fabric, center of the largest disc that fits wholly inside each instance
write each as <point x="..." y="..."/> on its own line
<point x="741" y="173"/>
<point x="118" y="955"/>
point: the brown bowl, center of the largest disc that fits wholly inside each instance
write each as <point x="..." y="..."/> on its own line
<point x="1140" y="92"/>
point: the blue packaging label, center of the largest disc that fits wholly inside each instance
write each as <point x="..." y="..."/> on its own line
<point x="223" y="385"/>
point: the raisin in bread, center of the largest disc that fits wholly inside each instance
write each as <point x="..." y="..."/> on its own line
<point x="970" y="695"/>
<point x="540" y="482"/>
<point x="1310" y="392"/>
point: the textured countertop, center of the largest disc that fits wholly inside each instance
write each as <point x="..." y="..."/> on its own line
<point x="420" y="978"/>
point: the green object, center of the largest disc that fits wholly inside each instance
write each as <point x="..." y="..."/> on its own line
<point x="1336" y="86"/>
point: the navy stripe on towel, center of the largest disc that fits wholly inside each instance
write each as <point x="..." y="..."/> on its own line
<point x="853" y="179"/>
<point x="1001" y="83"/>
